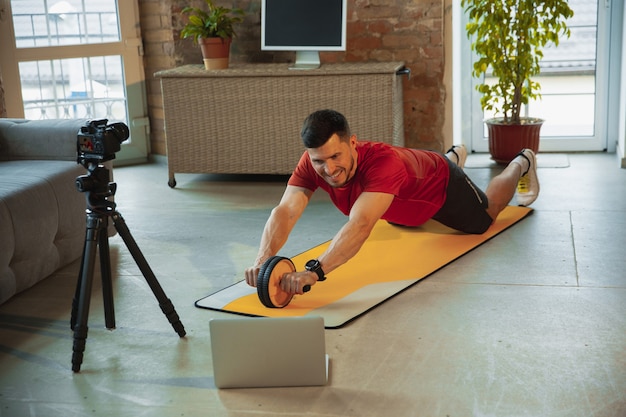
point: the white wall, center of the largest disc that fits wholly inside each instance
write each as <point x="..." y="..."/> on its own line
<point x="621" y="142"/>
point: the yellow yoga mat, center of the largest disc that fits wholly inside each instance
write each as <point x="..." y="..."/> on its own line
<point x="392" y="259"/>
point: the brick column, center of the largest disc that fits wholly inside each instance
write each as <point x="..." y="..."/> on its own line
<point x="3" y="108"/>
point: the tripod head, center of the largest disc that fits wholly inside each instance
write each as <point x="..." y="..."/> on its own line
<point x="97" y="187"/>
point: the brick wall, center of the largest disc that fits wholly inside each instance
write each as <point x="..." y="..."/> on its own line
<point x="378" y="30"/>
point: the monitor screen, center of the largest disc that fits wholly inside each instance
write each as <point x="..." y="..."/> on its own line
<point x="303" y="25"/>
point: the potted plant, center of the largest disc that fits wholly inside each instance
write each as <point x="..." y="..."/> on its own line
<point x="212" y="29"/>
<point x="509" y="36"/>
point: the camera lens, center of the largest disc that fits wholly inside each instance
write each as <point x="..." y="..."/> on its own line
<point x="119" y="130"/>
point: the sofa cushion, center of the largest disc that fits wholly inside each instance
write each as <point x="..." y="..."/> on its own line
<point x="42" y="221"/>
<point x="53" y="139"/>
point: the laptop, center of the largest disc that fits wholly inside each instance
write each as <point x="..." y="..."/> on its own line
<point x="268" y="352"/>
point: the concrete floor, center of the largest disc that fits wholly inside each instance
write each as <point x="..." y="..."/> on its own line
<point x="532" y="323"/>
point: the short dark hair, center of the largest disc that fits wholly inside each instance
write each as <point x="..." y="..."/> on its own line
<point x="319" y="126"/>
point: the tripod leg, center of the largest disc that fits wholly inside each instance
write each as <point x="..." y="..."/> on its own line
<point x="84" y="290"/>
<point x="165" y="303"/>
<point x="77" y="292"/>
<point x="105" y="271"/>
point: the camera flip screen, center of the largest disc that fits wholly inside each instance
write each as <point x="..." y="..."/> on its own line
<point x="85" y="144"/>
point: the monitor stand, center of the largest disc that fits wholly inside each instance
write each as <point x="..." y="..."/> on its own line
<point x="306" y="60"/>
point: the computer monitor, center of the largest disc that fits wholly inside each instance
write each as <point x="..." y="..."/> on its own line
<point x="304" y="26"/>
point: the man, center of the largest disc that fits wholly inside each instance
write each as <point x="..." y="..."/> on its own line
<point x="369" y="181"/>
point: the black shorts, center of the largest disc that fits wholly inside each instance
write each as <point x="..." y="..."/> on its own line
<point x="465" y="208"/>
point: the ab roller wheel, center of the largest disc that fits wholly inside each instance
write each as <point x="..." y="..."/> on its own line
<point x="268" y="282"/>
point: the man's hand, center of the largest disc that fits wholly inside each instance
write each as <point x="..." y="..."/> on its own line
<point x="252" y="275"/>
<point x="294" y="282"/>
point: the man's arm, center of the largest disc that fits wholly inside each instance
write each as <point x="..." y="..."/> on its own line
<point x="365" y="212"/>
<point x="278" y="226"/>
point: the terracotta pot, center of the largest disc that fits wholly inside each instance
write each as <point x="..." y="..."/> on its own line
<point x="507" y="140"/>
<point x="215" y="52"/>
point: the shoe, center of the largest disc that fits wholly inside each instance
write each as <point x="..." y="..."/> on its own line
<point x="528" y="184"/>
<point x="460" y="152"/>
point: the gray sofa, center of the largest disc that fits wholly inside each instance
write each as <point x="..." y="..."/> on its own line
<point x="42" y="215"/>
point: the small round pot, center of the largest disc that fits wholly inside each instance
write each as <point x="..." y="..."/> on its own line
<point x="215" y="52"/>
<point x="507" y="140"/>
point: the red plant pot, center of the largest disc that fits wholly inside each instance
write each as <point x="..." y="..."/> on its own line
<point x="507" y="140"/>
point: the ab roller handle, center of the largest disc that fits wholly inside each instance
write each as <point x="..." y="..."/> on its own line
<point x="268" y="282"/>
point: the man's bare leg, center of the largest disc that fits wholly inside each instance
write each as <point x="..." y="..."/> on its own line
<point x="502" y="188"/>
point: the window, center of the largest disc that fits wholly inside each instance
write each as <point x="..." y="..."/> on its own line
<point x="76" y="59"/>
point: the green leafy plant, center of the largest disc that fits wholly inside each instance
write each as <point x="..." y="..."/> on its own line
<point x="509" y="36"/>
<point x="215" y="22"/>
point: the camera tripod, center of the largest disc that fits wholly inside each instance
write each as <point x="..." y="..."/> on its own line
<point x="97" y="187"/>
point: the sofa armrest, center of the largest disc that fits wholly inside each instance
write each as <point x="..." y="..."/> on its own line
<point x="55" y="139"/>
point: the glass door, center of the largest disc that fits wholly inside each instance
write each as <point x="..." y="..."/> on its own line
<point x="574" y="86"/>
<point x="76" y="59"/>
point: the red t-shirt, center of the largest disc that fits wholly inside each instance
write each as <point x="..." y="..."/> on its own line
<point x="417" y="178"/>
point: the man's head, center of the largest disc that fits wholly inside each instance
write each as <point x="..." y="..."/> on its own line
<point x="331" y="147"/>
<point x="319" y="126"/>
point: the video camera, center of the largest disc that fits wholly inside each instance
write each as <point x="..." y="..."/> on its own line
<point x="98" y="142"/>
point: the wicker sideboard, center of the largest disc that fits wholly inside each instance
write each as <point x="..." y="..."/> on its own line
<point x="247" y="119"/>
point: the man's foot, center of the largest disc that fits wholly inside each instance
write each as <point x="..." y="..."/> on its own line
<point x="457" y="154"/>
<point x="528" y="185"/>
